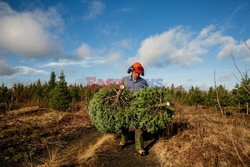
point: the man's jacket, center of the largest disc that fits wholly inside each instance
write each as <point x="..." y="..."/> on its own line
<point x="134" y="85"/>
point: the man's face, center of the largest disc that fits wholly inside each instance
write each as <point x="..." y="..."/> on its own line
<point x="135" y="75"/>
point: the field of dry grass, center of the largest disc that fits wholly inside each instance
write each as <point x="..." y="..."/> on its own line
<point x="203" y="137"/>
<point x="23" y="135"/>
<point x="197" y="137"/>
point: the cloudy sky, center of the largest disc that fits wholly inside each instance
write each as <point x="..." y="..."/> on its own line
<point x="182" y="42"/>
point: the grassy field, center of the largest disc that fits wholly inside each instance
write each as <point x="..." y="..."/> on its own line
<point x="204" y="137"/>
<point x="197" y="137"/>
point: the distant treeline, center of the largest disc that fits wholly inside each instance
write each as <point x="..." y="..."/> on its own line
<point x="57" y="95"/>
<point x="53" y="94"/>
<point x="237" y="97"/>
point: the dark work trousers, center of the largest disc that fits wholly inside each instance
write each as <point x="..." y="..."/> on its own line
<point x="138" y="137"/>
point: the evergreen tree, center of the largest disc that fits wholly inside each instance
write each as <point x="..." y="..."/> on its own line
<point x="242" y="94"/>
<point x="108" y="110"/>
<point x="224" y="96"/>
<point x="88" y="94"/>
<point x="210" y="99"/>
<point x="38" y="92"/>
<point x="235" y="93"/>
<point x="52" y="81"/>
<point x="195" y="96"/>
<point x="60" y="99"/>
<point x="179" y="93"/>
<point x="48" y="88"/>
<point x="46" y="94"/>
<point x="151" y="108"/>
<point x="75" y="92"/>
<point x="4" y="98"/>
<point x="172" y="91"/>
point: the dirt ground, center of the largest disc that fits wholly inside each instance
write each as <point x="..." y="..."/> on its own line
<point x="113" y="156"/>
<point x="197" y="137"/>
<point x="51" y="138"/>
<point x="89" y="153"/>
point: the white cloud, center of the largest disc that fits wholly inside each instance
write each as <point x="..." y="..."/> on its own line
<point x="127" y="43"/>
<point x="113" y="57"/>
<point x="88" y="61"/>
<point x="181" y="46"/>
<point x="66" y="62"/>
<point x="235" y="49"/>
<point x="109" y="29"/>
<point x="95" y="8"/>
<point x="29" y="70"/>
<point x="86" y="56"/>
<point x="8" y="70"/>
<point x="122" y="45"/>
<point x="62" y="62"/>
<point x="225" y="77"/>
<point x="83" y="51"/>
<point x="29" y="34"/>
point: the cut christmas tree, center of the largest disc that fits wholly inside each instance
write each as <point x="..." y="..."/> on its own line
<point x="152" y="109"/>
<point x="109" y="109"/>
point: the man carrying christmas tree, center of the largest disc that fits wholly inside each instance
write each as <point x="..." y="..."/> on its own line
<point x="134" y="82"/>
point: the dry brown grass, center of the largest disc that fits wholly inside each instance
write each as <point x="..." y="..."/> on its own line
<point x="81" y="150"/>
<point x="211" y="140"/>
<point x="22" y="136"/>
<point x="24" y="110"/>
<point x="75" y="154"/>
<point x="89" y="155"/>
<point x="53" y="160"/>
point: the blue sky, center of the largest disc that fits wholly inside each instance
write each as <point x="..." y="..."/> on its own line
<point x="182" y="42"/>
